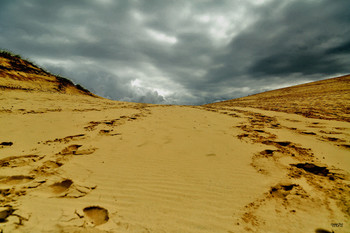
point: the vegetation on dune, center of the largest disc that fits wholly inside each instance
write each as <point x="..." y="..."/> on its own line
<point x="83" y="89"/>
<point x="17" y="63"/>
<point x="63" y="82"/>
<point x="8" y="54"/>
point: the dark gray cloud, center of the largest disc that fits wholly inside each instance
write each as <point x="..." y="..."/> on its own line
<point x="182" y="52"/>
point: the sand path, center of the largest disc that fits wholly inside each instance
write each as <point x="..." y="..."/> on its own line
<point x="138" y="168"/>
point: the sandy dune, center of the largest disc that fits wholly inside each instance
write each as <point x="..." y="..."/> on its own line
<point x="71" y="162"/>
<point x="327" y="99"/>
<point x="81" y="164"/>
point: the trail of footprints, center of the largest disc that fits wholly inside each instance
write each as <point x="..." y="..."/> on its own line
<point x="299" y="163"/>
<point x="284" y="196"/>
<point x="335" y="136"/>
<point x="43" y="174"/>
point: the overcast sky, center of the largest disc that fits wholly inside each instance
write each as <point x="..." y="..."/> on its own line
<point x="181" y="52"/>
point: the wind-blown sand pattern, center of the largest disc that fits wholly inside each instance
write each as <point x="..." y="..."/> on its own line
<point x="77" y="163"/>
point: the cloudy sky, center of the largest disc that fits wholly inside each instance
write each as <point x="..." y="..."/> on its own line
<point x="181" y="52"/>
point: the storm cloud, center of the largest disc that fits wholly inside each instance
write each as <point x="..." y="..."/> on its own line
<point x="181" y="52"/>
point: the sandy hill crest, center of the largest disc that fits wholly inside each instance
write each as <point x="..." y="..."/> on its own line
<point x="19" y="74"/>
<point x="326" y="99"/>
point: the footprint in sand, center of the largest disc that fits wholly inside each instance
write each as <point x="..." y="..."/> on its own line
<point x="312" y="168"/>
<point x="52" y="164"/>
<point x="60" y="187"/>
<point x="5" y="212"/>
<point x="263" y="160"/>
<point x="345" y="146"/>
<point x="11" y="194"/>
<point x="283" y="190"/>
<point x="107" y="132"/>
<point x="288" y="195"/>
<point x="49" y="167"/>
<point x="66" y="139"/>
<point x="14" y="180"/>
<point x="96" y="215"/>
<point x="17" y="161"/>
<point x="283" y="143"/>
<point x="308" y="133"/>
<point x="329" y="132"/>
<point x="92" y="125"/>
<point x="267" y="153"/>
<point x="14" y="186"/>
<point x="321" y="170"/>
<point x="74" y="150"/>
<point x="19" y="183"/>
<point x="333" y="139"/>
<point x="68" y="189"/>
<point x="316" y="126"/>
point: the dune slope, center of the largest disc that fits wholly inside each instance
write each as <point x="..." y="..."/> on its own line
<point x="19" y="74"/>
<point x="326" y="99"/>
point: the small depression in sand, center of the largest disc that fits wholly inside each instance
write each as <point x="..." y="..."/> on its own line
<point x="97" y="215"/>
<point x="13" y="180"/>
<point x="72" y="149"/>
<point x="62" y="186"/>
<point x="323" y="231"/>
<point x="6" y="144"/>
<point x="16" y="161"/>
<point x="312" y="168"/>
<point x="52" y="164"/>
<point x="283" y="190"/>
<point x="5" y="212"/>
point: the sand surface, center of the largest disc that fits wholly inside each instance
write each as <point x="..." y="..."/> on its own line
<point x="72" y="163"/>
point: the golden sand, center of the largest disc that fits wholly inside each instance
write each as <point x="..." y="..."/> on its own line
<point x="76" y="163"/>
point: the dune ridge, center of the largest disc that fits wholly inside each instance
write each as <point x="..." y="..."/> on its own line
<point x="71" y="162"/>
<point x="326" y="99"/>
<point x="19" y="74"/>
